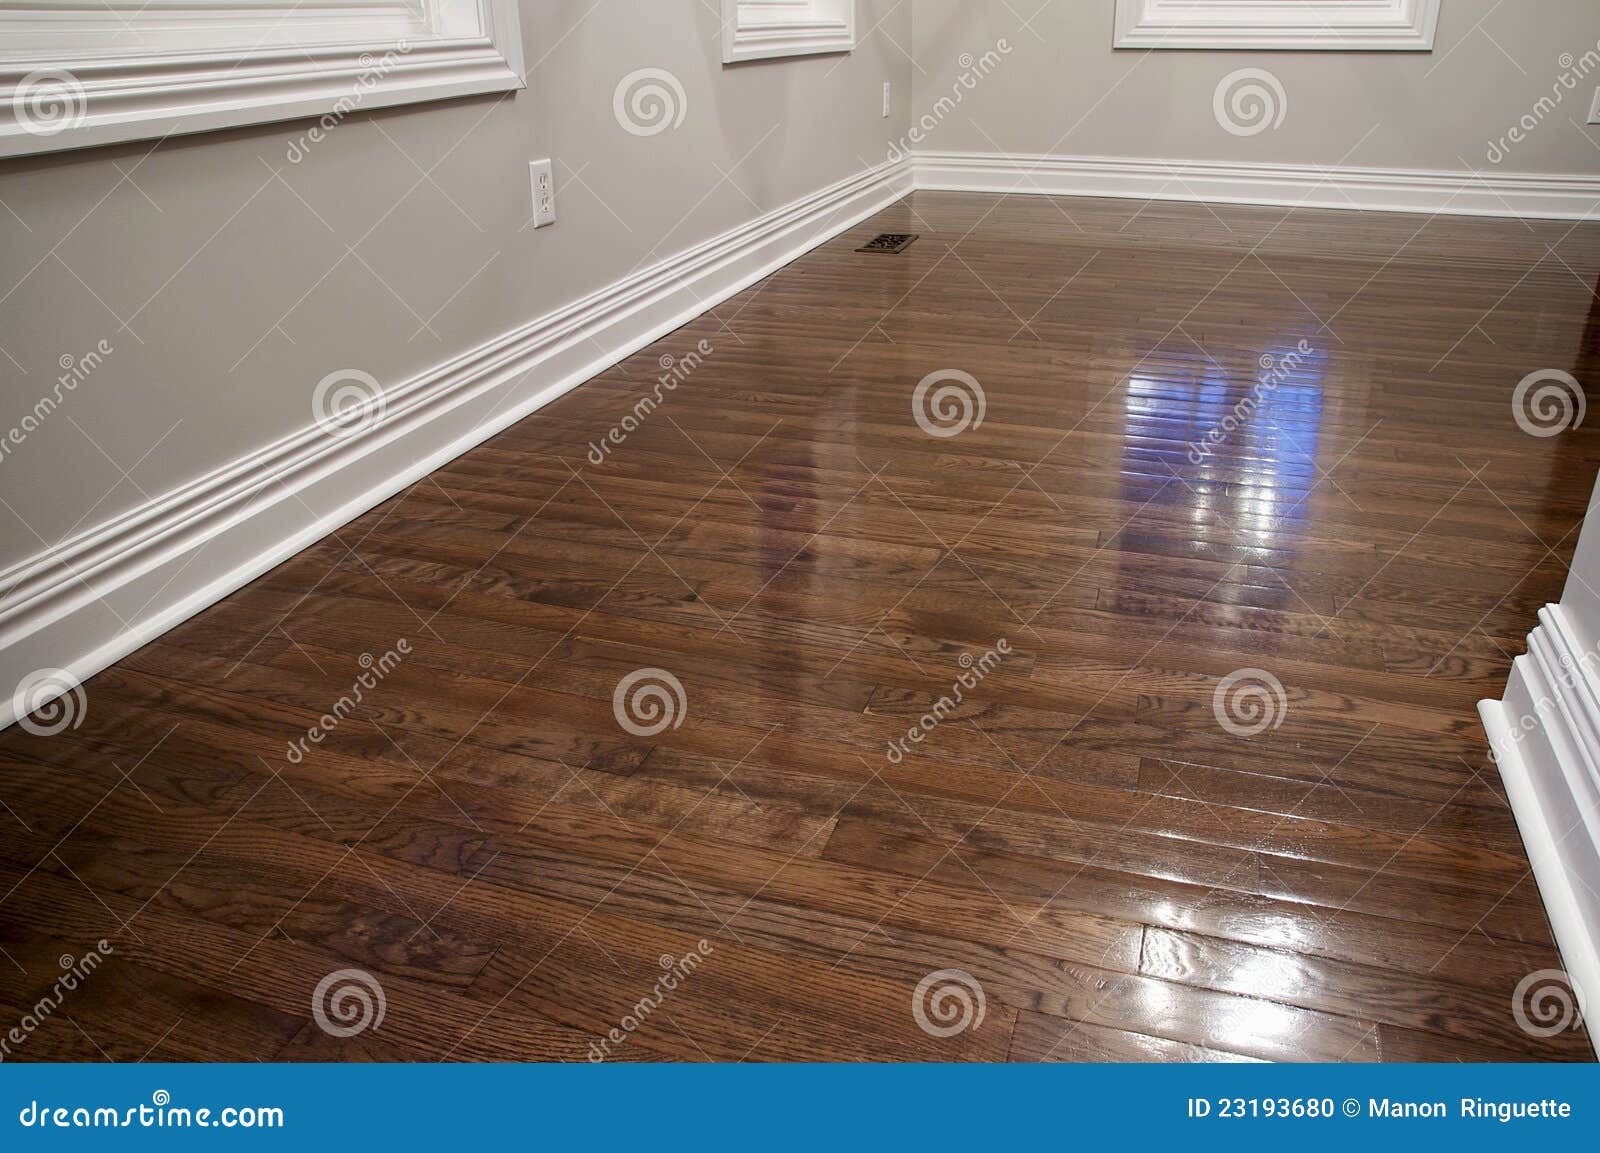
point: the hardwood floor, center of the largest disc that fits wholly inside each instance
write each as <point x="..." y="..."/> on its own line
<point x="1124" y="871"/>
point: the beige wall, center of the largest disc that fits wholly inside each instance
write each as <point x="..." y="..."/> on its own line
<point x="1063" y="89"/>
<point x="219" y="275"/>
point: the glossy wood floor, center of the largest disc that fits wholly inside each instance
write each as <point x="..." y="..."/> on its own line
<point x="1123" y="877"/>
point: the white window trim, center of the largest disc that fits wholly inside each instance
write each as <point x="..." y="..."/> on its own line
<point x="763" y="29"/>
<point x="77" y="92"/>
<point x="1358" y="25"/>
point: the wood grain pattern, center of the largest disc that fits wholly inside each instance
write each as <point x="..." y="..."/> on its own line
<point x="1072" y="829"/>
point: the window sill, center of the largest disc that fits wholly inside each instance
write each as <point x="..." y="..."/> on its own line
<point x="1374" y="25"/>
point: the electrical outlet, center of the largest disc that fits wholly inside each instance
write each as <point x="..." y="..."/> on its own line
<point x="544" y="192"/>
<point x="888" y="98"/>
<point x="1594" y="109"/>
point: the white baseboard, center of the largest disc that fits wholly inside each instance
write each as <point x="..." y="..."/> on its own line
<point x="1491" y="193"/>
<point x="1546" y="737"/>
<point x="98" y="596"/>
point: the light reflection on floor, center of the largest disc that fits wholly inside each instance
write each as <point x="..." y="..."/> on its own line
<point x="1232" y="450"/>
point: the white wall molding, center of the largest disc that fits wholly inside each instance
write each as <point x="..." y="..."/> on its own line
<point x="1375" y="189"/>
<point x="130" y="71"/>
<point x="98" y="596"/>
<point x="1372" y="25"/>
<point x="764" y="29"/>
<point x="1546" y="738"/>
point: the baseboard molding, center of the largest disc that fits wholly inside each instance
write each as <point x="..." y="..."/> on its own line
<point x="1546" y="738"/>
<point x="100" y="595"/>
<point x="1307" y="186"/>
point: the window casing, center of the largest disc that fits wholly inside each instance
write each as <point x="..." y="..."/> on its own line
<point x="763" y="29"/>
<point x="75" y="74"/>
<point x="1327" y="25"/>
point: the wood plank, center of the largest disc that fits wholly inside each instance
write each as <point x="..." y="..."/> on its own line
<point x="1124" y="877"/>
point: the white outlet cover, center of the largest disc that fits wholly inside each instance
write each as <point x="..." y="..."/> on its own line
<point x="1594" y="109"/>
<point x="542" y="176"/>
